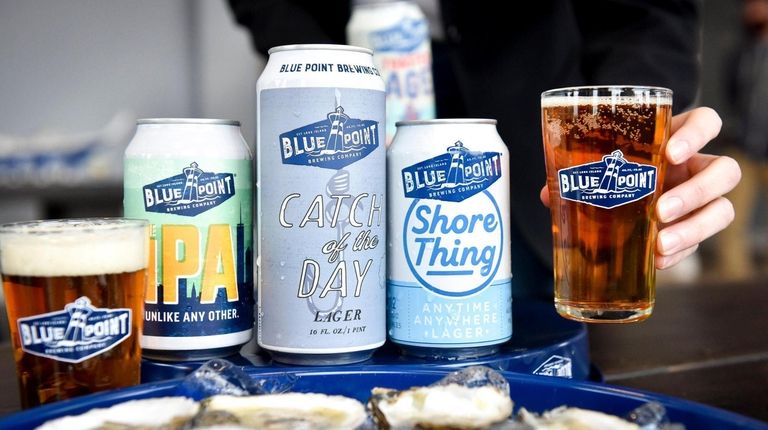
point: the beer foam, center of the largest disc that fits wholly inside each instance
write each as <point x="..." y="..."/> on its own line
<point x="73" y="247"/>
<point x="582" y="100"/>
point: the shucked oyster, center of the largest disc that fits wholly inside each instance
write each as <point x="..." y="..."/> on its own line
<point x="565" y="418"/>
<point x="474" y="398"/>
<point x="280" y="411"/>
<point x="156" y="413"/>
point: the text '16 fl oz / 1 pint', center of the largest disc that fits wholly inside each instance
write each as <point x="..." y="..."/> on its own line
<point x="449" y="286"/>
<point x="321" y="204"/>
<point x="192" y="179"/>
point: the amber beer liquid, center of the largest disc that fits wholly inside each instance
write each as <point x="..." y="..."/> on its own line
<point x="74" y="294"/>
<point x="604" y="151"/>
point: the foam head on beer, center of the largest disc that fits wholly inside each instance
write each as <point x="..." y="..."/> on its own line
<point x="72" y="247"/>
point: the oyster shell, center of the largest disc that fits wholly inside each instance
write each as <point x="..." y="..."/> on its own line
<point x="473" y="398"/>
<point x="565" y="418"/>
<point x="280" y="411"/>
<point x="166" y="413"/>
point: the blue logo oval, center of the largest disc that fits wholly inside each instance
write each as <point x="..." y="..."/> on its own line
<point x="609" y="183"/>
<point x="454" y="249"/>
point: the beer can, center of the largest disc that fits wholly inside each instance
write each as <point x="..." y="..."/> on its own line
<point x="398" y="34"/>
<point x="192" y="179"/>
<point x="321" y="205"/>
<point x="449" y="281"/>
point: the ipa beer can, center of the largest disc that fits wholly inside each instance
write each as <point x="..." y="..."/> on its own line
<point x="449" y="286"/>
<point x="321" y="205"/>
<point x="398" y="34"/>
<point x="192" y="179"/>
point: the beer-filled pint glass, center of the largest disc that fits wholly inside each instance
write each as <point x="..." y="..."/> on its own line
<point x="74" y="291"/>
<point x="604" y="151"/>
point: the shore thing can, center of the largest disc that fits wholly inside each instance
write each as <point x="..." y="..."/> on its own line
<point x="449" y="278"/>
<point x="192" y="179"/>
<point x="321" y="202"/>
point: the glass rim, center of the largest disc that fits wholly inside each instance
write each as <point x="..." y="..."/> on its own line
<point x="559" y="92"/>
<point x="70" y="225"/>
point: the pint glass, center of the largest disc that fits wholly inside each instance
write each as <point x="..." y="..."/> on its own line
<point x="74" y="292"/>
<point x="604" y="152"/>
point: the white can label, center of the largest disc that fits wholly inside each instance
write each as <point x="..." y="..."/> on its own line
<point x="322" y="220"/>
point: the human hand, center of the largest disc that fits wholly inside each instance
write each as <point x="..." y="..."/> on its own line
<point x="692" y="207"/>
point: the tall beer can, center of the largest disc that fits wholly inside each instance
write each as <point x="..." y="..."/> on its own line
<point x="398" y="33"/>
<point x="192" y="179"/>
<point x="321" y="203"/>
<point x="449" y="286"/>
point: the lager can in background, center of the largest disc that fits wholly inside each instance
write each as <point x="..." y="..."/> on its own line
<point x="74" y="293"/>
<point x="604" y="151"/>
<point x="192" y="179"/>
<point x="449" y="280"/>
<point x="398" y="34"/>
<point x="321" y="204"/>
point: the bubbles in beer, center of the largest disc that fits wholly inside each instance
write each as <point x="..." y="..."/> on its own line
<point x="629" y="124"/>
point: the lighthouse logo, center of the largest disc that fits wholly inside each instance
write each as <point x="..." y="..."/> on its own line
<point x="332" y="143"/>
<point x="453" y="176"/>
<point x="75" y="334"/>
<point x="189" y="193"/>
<point x="608" y="183"/>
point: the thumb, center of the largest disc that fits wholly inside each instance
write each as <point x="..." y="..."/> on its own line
<point x="544" y="195"/>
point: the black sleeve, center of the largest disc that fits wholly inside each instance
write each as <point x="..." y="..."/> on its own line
<point x="282" y="22"/>
<point x="643" y="42"/>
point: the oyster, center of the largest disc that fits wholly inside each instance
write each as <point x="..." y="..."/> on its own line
<point x="565" y="418"/>
<point x="280" y="411"/>
<point x="473" y="398"/>
<point x="165" y="413"/>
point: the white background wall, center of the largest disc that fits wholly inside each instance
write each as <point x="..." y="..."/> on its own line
<point x="69" y="66"/>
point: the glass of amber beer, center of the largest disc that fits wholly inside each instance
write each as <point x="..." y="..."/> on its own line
<point x="604" y="152"/>
<point x="74" y="293"/>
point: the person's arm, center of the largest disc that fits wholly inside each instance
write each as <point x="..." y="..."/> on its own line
<point x="283" y="22"/>
<point x="643" y="42"/>
<point x="654" y="42"/>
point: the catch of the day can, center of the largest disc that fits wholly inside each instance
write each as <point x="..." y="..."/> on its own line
<point x="192" y="179"/>
<point x="449" y="286"/>
<point x="321" y="204"/>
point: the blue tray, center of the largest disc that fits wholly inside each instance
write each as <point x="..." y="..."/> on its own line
<point x="542" y="343"/>
<point x="535" y="393"/>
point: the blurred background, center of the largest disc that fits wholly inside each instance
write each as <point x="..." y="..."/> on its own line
<point x="76" y="74"/>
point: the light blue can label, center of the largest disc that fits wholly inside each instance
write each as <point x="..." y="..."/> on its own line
<point x="405" y="36"/>
<point x="452" y="287"/>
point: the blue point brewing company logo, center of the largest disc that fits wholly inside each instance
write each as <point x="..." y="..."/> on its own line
<point x="333" y="143"/>
<point x="453" y="248"/>
<point x="75" y="334"/>
<point x="405" y="36"/>
<point x="609" y="183"/>
<point x="454" y="176"/>
<point x="189" y="193"/>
